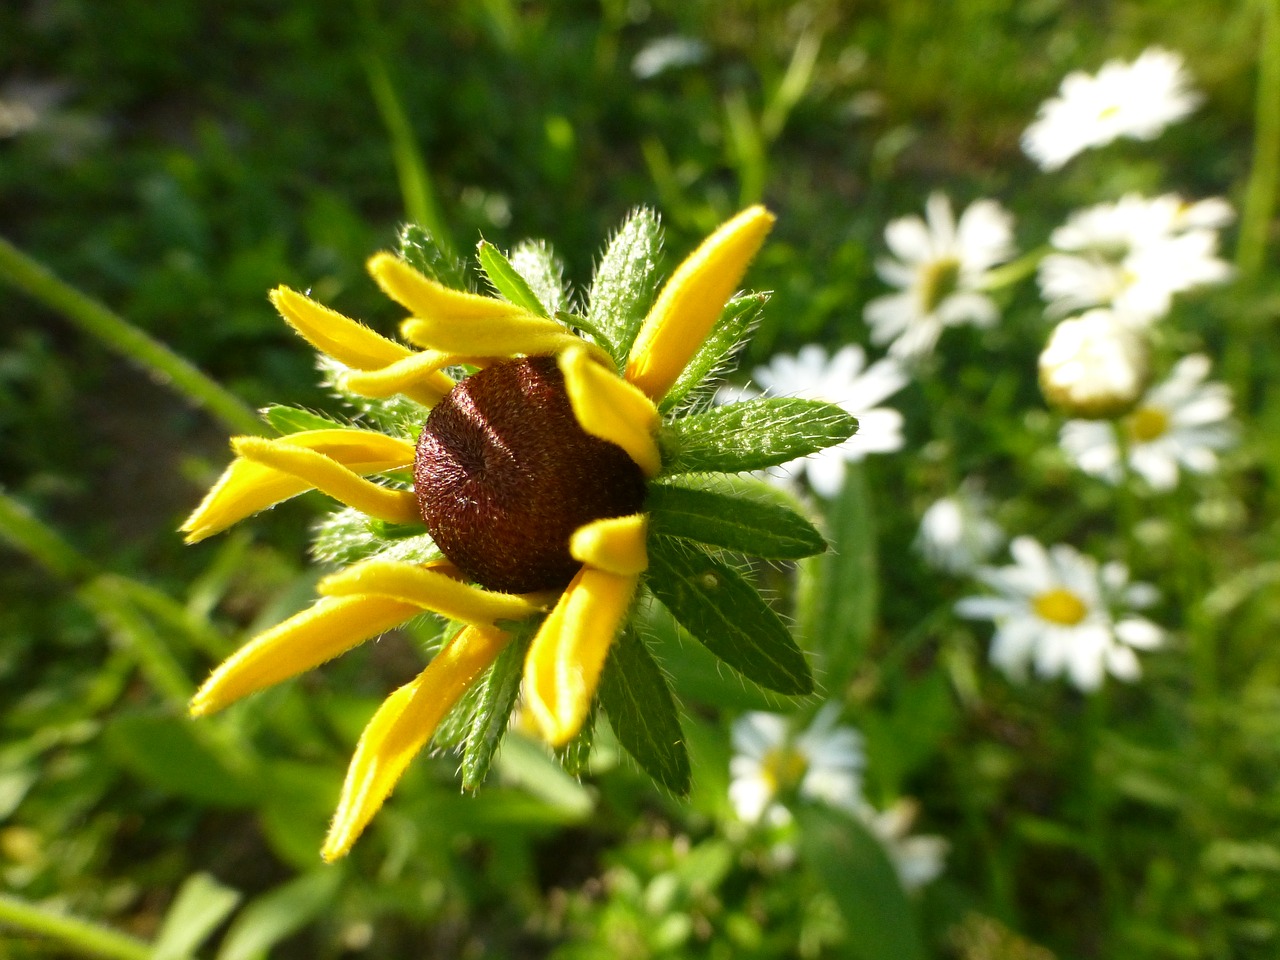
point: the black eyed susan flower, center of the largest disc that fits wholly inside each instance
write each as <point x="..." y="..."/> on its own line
<point x="531" y="501"/>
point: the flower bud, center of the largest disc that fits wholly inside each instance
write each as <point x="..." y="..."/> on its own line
<point x="1094" y="366"/>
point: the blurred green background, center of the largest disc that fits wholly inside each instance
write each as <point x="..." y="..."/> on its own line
<point x="177" y="160"/>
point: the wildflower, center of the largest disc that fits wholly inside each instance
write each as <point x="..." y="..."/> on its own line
<point x="957" y="532"/>
<point x="1136" y="100"/>
<point x="842" y="381"/>
<point x="1180" y="422"/>
<point x="550" y="486"/>
<point x="1094" y="366"/>
<point x="773" y="766"/>
<point x="917" y="859"/>
<point x="1134" y="255"/>
<point x="1056" y="609"/>
<point x="941" y="268"/>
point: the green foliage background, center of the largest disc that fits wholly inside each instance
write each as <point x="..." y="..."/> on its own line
<point x="200" y="154"/>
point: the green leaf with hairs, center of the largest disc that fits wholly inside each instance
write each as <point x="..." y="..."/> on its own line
<point x="719" y="607"/>
<point x="731" y="523"/>
<point x="739" y="317"/>
<point x="638" y="700"/>
<point x="491" y="710"/>
<point x="623" y="286"/>
<point x="287" y="420"/>
<point x="506" y="280"/>
<point x="542" y="270"/>
<point x="752" y="435"/>
<point x="420" y="250"/>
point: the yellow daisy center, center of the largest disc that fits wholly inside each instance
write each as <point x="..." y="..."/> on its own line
<point x="938" y="280"/>
<point x="1059" y="606"/>
<point x="783" y="768"/>
<point x="1146" y="424"/>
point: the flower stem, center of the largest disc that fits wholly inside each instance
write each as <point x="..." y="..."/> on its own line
<point x="77" y="935"/>
<point x="35" y="279"/>
<point x="1260" y="195"/>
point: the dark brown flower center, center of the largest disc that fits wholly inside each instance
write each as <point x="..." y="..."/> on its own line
<point x="504" y="475"/>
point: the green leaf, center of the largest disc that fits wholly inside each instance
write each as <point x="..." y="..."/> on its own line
<point x="492" y="711"/>
<point x="623" y="285"/>
<point x="731" y="523"/>
<point x="420" y="250"/>
<point x="637" y="698"/>
<point x="715" y="355"/>
<point x="506" y="280"/>
<point x="840" y="590"/>
<point x="199" y="906"/>
<point x="719" y="607"/>
<point x="752" y="435"/>
<point x="164" y="752"/>
<point x="276" y="914"/>
<point x="853" y="865"/>
<point x="543" y="272"/>
<point x="288" y="420"/>
<point x="527" y="763"/>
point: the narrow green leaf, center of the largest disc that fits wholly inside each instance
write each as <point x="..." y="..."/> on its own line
<point x="732" y="523"/>
<point x="719" y="607"/>
<point x="543" y="272"/>
<point x="421" y="251"/>
<point x="492" y="710"/>
<point x="753" y="434"/>
<point x="715" y="355"/>
<point x="637" y="698"/>
<point x="840" y="590"/>
<point x="860" y="878"/>
<point x="276" y="914"/>
<point x="288" y="420"/>
<point x="506" y="280"/>
<point x="199" y="906"/>
<point x="623" y="286"/>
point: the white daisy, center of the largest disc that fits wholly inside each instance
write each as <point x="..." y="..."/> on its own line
<point x="848" y="382"/>
<point x="1095" y="365"/>
<point x="1136" y="100"/>
<point x="917" y="859"/>
<point x="1134" y="255"/>
<point x="1054" y="611"/>
<point x="772" y="765"/>
<point x="957" y="533"/>
<point x="941" y="267"/>
<point x="1180" y="422"/>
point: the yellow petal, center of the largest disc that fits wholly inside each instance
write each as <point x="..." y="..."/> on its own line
<point x="431" y="590"/>
<point x="608" y="407"/>
<point x="614" y="545"/>
<point x="425" y="298"/>
<point x="506" y="336"/>
<point x="246" y="487"/>
<point x="340" y="337"/>
<point x="331" y="477"/>
<point x="563" y="665"/>
<point x="692" y="300"/>
<point x="402" y="726"/>
<point x="418" y="376"/>
<point x="307" y="639"/>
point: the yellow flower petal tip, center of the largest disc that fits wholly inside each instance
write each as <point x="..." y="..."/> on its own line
<point x="562" y="667"/>
<point x="429" y="300"/>
<point x="692" y="300"/>
<point x="342" y="338"/>
<point x="400" y="729"/>
<point x="615" y="545"/>
<point x="608" y="407"/>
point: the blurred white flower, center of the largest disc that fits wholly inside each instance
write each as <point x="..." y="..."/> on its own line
<point x="667" y="53"/>
<point x="1053" y="611"/>
<point x="917" y="859"/>
<point x="842" y="380"/>
<point x="1094" y="366"/>
<point x="1136" y="100"/>
<point x="941" y="267"/>
<point x="957" y="533"/>
<point x="1180" y="422"/>
<point x="1134" y="255"/>
<point x="772" y="764"/>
